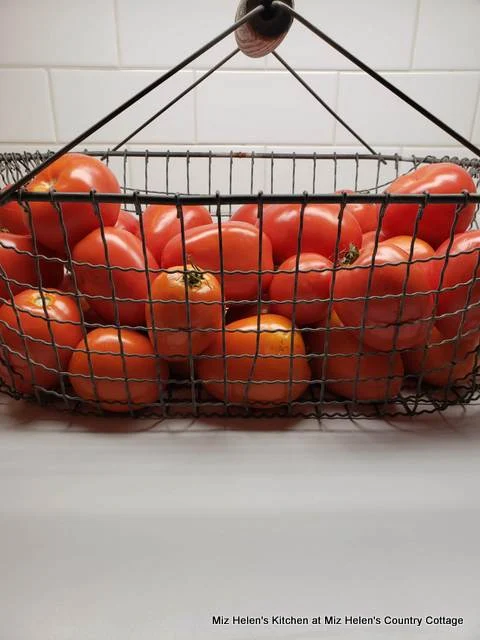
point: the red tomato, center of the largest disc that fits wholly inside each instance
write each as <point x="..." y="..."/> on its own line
<point x="351" y="371"/>
<point x="281" y="223"/>
<point x="314" y="281"/>
<point x="48" y="360"/>
<point x="240" y="244"/>
<point x="462" y="268"/>
<point x="124" y="250"/>
<point x="22" y="268"/>
<point x="437" y="219"/>
<point x="73" y="172"/>
<point x="410" y="314"/>
<point x="68" y="286"/>
<point x="170" y="311"/>
<point x="366" y="214"/>
<point x="264" y="371"/>
<point x="442" y="362"/>
<point x="368" y="239"/>
<point x="161" y="224"/>
<point x="421" y="249"/>
<point x="247" y="213"/>
<point x="139" y="376"/>
<point x="128" y="222"/>
<point x="13" y="218"/>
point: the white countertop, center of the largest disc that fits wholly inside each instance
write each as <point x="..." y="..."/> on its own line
<point x="148" y="535"/>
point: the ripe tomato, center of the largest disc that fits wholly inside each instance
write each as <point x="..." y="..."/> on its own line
<point x="128" y="222"/>
<point x="33" y="322"/>
<point x="125" y="251"/>
<point x="240" y="244"/>
<point x="437" y="219"/>
<point x="170" y="311"/>
<point x="22" y="268"/>
<point x="13" y="218"/>
<point x="314" y="281"/>
<point x="368" y="239"/>
<point x="68" y="286"/>
<point x="421" y="249"/>
<point x="359" y="374"/>
<point x="247" y="213"/>
<point x="411" y="314"/>
<point x="73" y="172"/>
<point x="461" y="275"/>
<point x="241" y="339"/>
<point x="366" y="214"/>
<point x="443" y="364"/>
<point x="161" y="224"/>
<point x="281" y="223"/>
<point x="139" y="370"/>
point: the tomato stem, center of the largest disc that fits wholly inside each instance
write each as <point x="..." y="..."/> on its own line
<point x="194" y="276"/>
<point x="350" y="255"/>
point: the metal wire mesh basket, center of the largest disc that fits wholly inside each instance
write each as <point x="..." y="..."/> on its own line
<point x="339" y="335"/>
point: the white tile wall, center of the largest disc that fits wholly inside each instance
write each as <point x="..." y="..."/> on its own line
<point x="64" y="64"/>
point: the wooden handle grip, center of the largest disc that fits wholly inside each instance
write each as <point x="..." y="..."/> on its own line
<point x="265" y="31"/>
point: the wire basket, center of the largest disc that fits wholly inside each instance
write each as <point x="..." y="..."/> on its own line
<point x="296" y="353"/>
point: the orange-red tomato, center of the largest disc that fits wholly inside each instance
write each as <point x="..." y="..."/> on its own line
<point x="120" y="383"/>
<point x="19" y="270"/>
<point x="181" y="330"/>
<point x="437" y="219"/>
<point x="443" y="361"/>
<point x="269" y="375"/>
<point x="13" y="218"/>
<point x="390" y="317"/>
<point x="368" y="239"/>
<point x="360" y="374"/>
<point x="72" y="173"/>
<point x="246" y="213"/>
<point x="314" y="281"/>
<point x="123" y="250"/>
<point x="240" y="251"/>
<point x="128" y="222"/>
<point x="366" y="214"/>
<point x="161" y="223"/>
<point x="421" y="249"/>
<point x="35" y="359"/>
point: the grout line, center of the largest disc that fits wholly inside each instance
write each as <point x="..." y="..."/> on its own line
<point x="52" y="104"/>
<point x="415" y="35"/>
<point x="117" y="33"/>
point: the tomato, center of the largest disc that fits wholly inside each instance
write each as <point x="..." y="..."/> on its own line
<point x="281" y="223"/>
<point x="240" y="244"/>
<point x="128" y="222"/>
<point x="73" y="172"/>
<point x="247" y="213"/>
<point x="443" y="364"/>
<point x="161" y="223"/>
<point x="461" y="275"/>
<point x="13" y="218"/>
<point x="241" y="311"/>
<point x="368" y="239"/>
<point x="22" y="268"/>
<point x="138" y="376"/>
<point x="314" y="281"/>
<point x="89" y="315"/>
<point x="123" y="250"/>
<point x="366" y="214"/>
<point x="170" y="311"/>
<point x="48" y="360"/>
<point x="410" y="314"/>
<point x="359" y="374"/>
<point x="241" y="340"/>
<point x="437" y="219"/>
<point x="421" y="249"/>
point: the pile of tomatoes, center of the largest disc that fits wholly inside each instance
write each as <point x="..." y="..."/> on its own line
<point x="108" y="307"/>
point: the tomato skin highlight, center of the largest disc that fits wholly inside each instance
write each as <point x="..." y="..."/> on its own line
<point x="128" y="222"/>
<point x="161" y="223"/>
<point x="368" y="239"/>
<point x="72" y="173"/>
<point x="140" y="364"/>
<point x="33" y="324"/>
<point x="443" y="364"/>
<point x="437" y="219"/>
<point x="240" y="242"/>
<point x="23" y="268"/>
<point x="421" y="249"/>
<point x="124" y="250"/>
<point x="345" y="357"/>
<point x="411" y="313"/>
<point x="205" y="309"/>
<point x="314" y="281"/>
<point x="461" y="268"/>
<point x="240" y="339"/>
